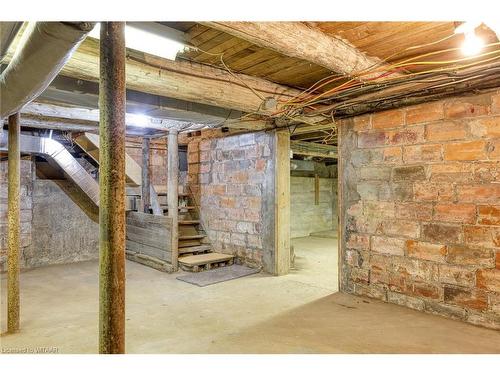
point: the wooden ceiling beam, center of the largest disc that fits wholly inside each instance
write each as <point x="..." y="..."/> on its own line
<point x="296" y="39"/>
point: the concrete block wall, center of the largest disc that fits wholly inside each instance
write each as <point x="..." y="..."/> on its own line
<point x="307" y="217"/>
<point x="421" y="207"/>
<point x="231" y="180"/>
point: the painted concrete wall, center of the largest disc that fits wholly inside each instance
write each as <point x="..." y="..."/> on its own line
<point x="306" y="216"/>
<point x="421" y="215"/>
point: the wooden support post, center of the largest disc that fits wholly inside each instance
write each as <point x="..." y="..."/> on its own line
<point x="14" y="231"/>
<point x="316" y="189"/>
<point x="173" y="193"/>
<point x="112" y="189"/>
<point x="282" y="202"/>
<point x="146" y="179"/>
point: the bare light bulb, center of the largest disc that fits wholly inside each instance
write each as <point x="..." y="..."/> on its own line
<point x="472" y="44"/>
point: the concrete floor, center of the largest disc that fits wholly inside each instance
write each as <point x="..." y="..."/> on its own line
<point x="297" y="313"/>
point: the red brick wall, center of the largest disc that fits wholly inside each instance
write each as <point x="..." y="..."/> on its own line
<point x="421" y="207"/>
<point x="230" y="179"/>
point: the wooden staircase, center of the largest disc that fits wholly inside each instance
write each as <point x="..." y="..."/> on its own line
<point x="195" y="251"/>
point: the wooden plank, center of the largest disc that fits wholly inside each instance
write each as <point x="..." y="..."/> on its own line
<point x="146" y="220"/>
<point x="173" y="193"/>
<point x="145" y="179"/>
<point x="149" y="238"/>
<point x="197" y="260"/>
<point x="315" y="46"/>
<point x="194" y="249"/>
<point x="282" y="202"/>
<point x="147" y="250"/>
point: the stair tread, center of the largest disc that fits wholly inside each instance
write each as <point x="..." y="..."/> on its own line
<point x="186" y="222"/>
<point x="197" y="260"/>
<point x="193" y="237"/>
<point x="192" y="249"/>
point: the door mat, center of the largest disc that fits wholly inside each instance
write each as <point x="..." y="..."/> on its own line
<point x="217" y="275"/>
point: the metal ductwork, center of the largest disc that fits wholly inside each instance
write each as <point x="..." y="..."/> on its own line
<point x="43" y="50"/>
<point x="55" y="152"/>
<point x="8" y="31"/>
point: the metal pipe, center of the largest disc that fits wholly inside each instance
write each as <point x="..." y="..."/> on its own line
<point x="112" y="189"/>
<point x="43" y="50"/>
<point x="14" y="231"/>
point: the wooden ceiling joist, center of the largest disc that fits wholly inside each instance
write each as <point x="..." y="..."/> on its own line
<point x="313" y="149"/>
<point x="296" y="39"/>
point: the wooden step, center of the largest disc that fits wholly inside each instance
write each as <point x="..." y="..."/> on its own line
<point x="164" y="206"/>
<point x="189" y="222"/>
<point x="193" y="237"/>
<point x="196" y="263"/>
<point x="189" y="243"/>
<point x="195" y="249"/>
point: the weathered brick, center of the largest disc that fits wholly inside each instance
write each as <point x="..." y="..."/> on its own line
<point x="495" y="103"/>
<point x="374" y="190"/>
<point x="486" y="172"/>
<point x="388" y="119"/>
<point x="409" y="173"/>
<point x="446" y="131"/>
<point x="355" y="209"/>
<point x="469" y="256"/>
<point x="425" y="250"/>
<point x="407" y="136"/>
<point x="455" y="213"/>
<point x="485" y="127"/>
<point x="470" y="150"/>
<point x="404" y="300"/>
<point x="433" y="191"/>
<point x="372" y="139"/>
<point x="424" y="113"/>
<point x="466" y="108"/>
<point x="439" y="308"/>
<point x="360" y="275"/>
<point x="362" y="122"/>
<point x="387" y="245"/>
<point x="422" y="289"/>
<point x="358" y="241"/>
<point x="488" y="215"/>
<point x="451" y="172"/>
<point x="497" y="260"/>
<point x="441" y="233"/>
<point x="399" y="227"/>
<point x="482" y="236"/>
<point x="473" y="299"/>
<point x="487" y="193"/>
<point x="392" y="155"/>
<point x="456" y="275"/>
<point x="488" y="279"/>
<point x="414" y="211"/>
<point x="374" y="173"/>
<point x="420" y="153"/>
<point x="494" y="149"/>
<point x="377" y="209"/>
<point x="402" y="191"/>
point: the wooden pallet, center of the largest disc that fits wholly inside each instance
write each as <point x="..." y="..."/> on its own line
<point x="200" y="249"/>
<point x="196" y="263"/>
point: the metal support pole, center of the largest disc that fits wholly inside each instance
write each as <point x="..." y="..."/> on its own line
<point x="14" y="231"/>
<point x="173" y="193"/>
<point x="112" y="189"/>
<point x="146" y="179"/>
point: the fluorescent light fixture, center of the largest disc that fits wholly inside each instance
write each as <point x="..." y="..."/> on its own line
<point x="145" y="41"/>
<point x="134" y="119"/>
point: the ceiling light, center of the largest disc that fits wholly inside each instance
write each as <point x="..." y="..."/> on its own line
<point x="134" y="119"/>
<point x="148" y="42"/>
<point x="472" y="44"/>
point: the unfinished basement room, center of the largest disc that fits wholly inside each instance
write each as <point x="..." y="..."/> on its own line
<point x="249" y="187"/>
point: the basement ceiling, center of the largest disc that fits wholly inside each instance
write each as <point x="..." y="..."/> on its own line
<point x="393" y="41"/>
